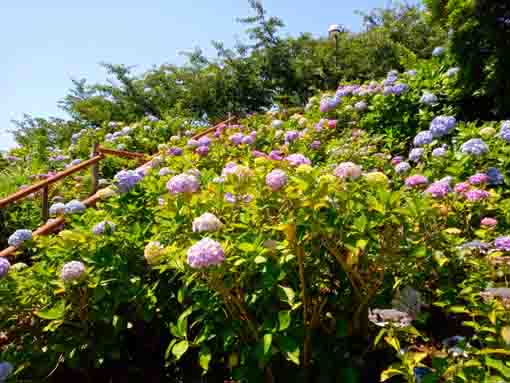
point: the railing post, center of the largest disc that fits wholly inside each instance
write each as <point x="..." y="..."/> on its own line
<point x="94" y="169"/>
<point x="45" y="203"/>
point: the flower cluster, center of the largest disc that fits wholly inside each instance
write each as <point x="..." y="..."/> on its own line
<point x="153" y="252"/>
<point x="415" y="154"/>
<point x="205" y="253"/>
<point x="442" y="125"/>
<point x="125" y="180"/>
<point x="347" y="170"/>
<point x="474" y="146"/>
<point x="19" y="236"/>
<point x="416" y="180"/>
<point x="297" y="159"/>
<point x="183" y="183"/>
<point x="5" y="265"/>
<point x="428" y="98"/>
<point x="402" y="167"/>
<point x="72" y="271"/>
<point x="423" y="138"/>
<point x="276" y="179"/>
<point x="102" y="227"/>
<point x="74" y="206"/>
<point x="206" y="222"/>
<point x="438" y="189"/>
<point x="58" y="208"/>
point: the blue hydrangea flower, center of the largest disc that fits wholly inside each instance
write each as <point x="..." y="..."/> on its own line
<point x="6" y="369"/>
<point x="495" y="176"/>
<point x="125" y="180"/>
<point x="439" y="152"/>
<point x="438" y="51"/>
<point x="452" y="72"/>
<point x="415" y="154"/>
<point x="402" y="167"/>
<point x="428" y="98"/>
<point x="74" y="206"/>
<point x="207" y="252"/>
<point x="398" y="89"/>
<point x="442" y="125"/>
<point x="504" y="133"/>
<point x="474" y="146"/>
<point x="102" y="227"/>
<point x="5" y="265"/>
<point x="19" y="236"/>
<point x="423" y="138"/>
<point x="57" y="208"/>
<point x="411" y="72"/>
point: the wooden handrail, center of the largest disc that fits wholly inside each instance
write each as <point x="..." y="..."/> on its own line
<point x="41" y="184"/>
<point x="212" y="129"/>
<point x="122" y="153"/>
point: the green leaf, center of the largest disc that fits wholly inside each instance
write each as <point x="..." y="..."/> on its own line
<point x="420" y="251"/>
<point x="284" y="320"/>
<point x="498" y="366"/>
<point x="180" y="348"/>
<point x="390" y="373"/>
<point x="260" y="259"/>
<point x="505" y="334"/>
<point x="290" y="348"/>
<point x="247" y="247"/>
<point x="182" y="323"/>
<point x="204" y="357"/>
<point x="458" y="309"/>
<point x="54" y="313"/>
<point x="289" y="293"/>
<point x="268" y="340"/>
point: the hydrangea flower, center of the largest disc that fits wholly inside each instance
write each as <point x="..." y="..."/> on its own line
<point x="6" y="369"/>
<point x="462" y="187"/>
<point x="332" y="124"/>
<point x="297" y="159"/>
<point x="236" y="138"/>
<point x="423" y="138"/>
<point x="192" y="143"/>
<point x="495" y="177"/>
<point x="474" y="146"/>
<point x="439" y="152"/>
<point x="153" y="252"/>
<point x="499" y="293"/>
<point x="477" y="245"/>
<point x="241" y="172"/>
<point x="415" y="154"/>
<point x="438" y="189"/>
<point x="478" y="179"/>
<point x="74" y="206"/>
<point x="397" y="160"/>
<point x="315" y="145"/>
<point x="276" y="155"/>
<point x="438" y="51"/>
<point x="428" y="98"/>
<point x="175" y="151"/>
<point x="504" y="133"/>
<point x="502" y="243"/>
<point x="385" y="317"/>
<point x="476" y="195"/>
<point x="347" y="170"/>
<point x="398" y="89"/>
<point x="489" y="222"/>
<point x="207" y="252"/>
<point x="291" y="135"/>
<point x="165" y="171"/>
<point x="202" y="151"/>
<point x="206" y="222"/>
<point x="402" y="167"/>
<point x="361" y="106"/>
<point x="442" y="125"/>
<point x="276" y="179"/>
<point x="19" y="236"/>
<point x="57" y="208"/>
<point x="5" y="265"/>
<point x="125" y="180"/>
<point x="258" y="154"/>
<point x="416" y="180"/>
<point x="183" y="183"/>
<point x="248" y="140"/>
<point x="276" y="124"/>
<point x="72" y="271"/>
<point x="204" y="141"/>
<point x="489" y="131"/>
<point x="103" y="226"/>
<point x="452" y="72"/>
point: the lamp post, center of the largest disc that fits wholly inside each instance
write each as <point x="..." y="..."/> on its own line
<point x="334" y="31"/>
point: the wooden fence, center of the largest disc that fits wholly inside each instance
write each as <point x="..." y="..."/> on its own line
<point x="98" y="153"/>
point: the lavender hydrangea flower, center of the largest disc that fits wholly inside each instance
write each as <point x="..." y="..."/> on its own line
<point x="361" y="106"/>
<point x="504" y="133"/>
<point x="5" y="265"/>
<point x="476" y="195"/>
<point x="248" y="140"/>
<point x="57" y="208"/>
<point x="205" y="253"/>
<point x="204" y="141"/>
<point x="175" y="151"/>
<point x="241" y="172"/>
<point x="72" y="271"/>
<point x="297" y="159"/>
<point x="452" y="72"/>
<point x="19" y="236"/>
<point x="402" y="167"/>
<point x="495" y="177"/>
<point x="385" y="317"/>
<point x="192" y="143"/>
<point x="442" y="125"/>
<point x="397" y="160"/>
<point x="102" y="227"/>
<point x="415" y="154"/>
<point x="416" y="180"/>
<point x="399" y="89"/>
<point x="276" y="155"/>
<point x="478" y="179"/>
<point x="489" y="222"/>
<point x="439" y="152"/>
<point x="423" y="138"/>
<point x="125" y="180"/>
<point x="6" y="369"/>
<point x="462" y="187"/>
<point x="502" y="243"/>
<point x="477" y="245"/>
<point x="202" y="151"/>
<point x="428" y="98"/>
<point x="291" y="135"/>
<point x="474" y="146"/>
<point x="74" y="206"/>
<point x="438" y="51"/>
<point x="183" y="183"/>
<point x="438" y="190"/>
<point x="315" y="145"/>
<point x="236" y="138"/>
<point x="206" y="222"/>
<point x="276" y="179"/>
<point x="347" y="170"/>
<point x="165" y="171"/>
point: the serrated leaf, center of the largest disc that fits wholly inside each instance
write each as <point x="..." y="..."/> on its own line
<point x="284" y="320"/>
<point x="53" y="313"/>
<point x="180" y="348"/>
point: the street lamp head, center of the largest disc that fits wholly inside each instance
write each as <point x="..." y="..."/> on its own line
<point x="334" y="30"/>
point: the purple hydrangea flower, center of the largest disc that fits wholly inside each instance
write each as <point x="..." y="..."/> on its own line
<point x="438" y="51"/>
<point x="428" y="98"/>
<point x="438" y="189"/>
<point x="476" y="195"/>
<point x="205" y="253"/>
<point x="479" y="178"/>
<point x="474" y="146"/>
<point x="476" y="244"/>
<point x="175" y="151"/>
<point x="125" y="180"/>
<point x="74" y="206"/>
<point x="291" y="135"/>
<point x="489" y="222"/>
<point x="504" y="133"/>
<point x="495" y="177"/>
<point x="248" y="140"/>
<point x="415" y="154"/>
<point x="439" y="152"/>
<point x="361" y="106"/>
<point x="276" y="179"/>
<point x="202" y="151"/>
<point x="5" y="265"/>
<point x="102" y="227"/>
<point x="315" y="145"/>
<point x="396" y="160"/>
<point x="258" y="154"/>
<point x="206" y="222"/>
<point x="423" y="138"/>
<point x="398" y="89"/>
<point x="236" y="138"/>
<point x="192" y="143"/>
<point x="183" y="183"/>
<point x="329" y="103"/>
<point x="462" y="187"/>
<point x="347" y="170"/>
<point x="297" y="159"/>
<point x="402" y="167"/>
<point x="204" y="141"/>
<point x="442" y="125"/>
<point x="165" y="171"/>
<point x="502" y="243"/>
<point x="416" y="180"/>
<point x="276" y="155"/>
<point x="19" y="236"/>
<point x="57" y="208"/>
<point x="72" y="271"/>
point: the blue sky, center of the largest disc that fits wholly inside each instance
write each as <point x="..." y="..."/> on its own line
<point x="46" y="43"/>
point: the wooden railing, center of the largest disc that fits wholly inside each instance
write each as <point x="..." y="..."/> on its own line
<point x="98" y="153"/>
